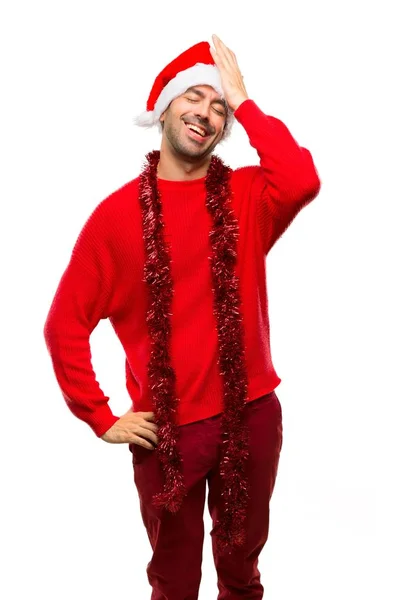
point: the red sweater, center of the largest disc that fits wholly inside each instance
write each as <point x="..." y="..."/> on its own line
<point x="104" y="279"/>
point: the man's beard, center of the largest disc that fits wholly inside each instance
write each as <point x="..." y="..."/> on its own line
<point x="186" y="147"/>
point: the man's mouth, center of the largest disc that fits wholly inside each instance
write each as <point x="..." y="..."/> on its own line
<point x="196" y="131"/>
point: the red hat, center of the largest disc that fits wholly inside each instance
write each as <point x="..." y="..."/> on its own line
<point x="195" y="66"/>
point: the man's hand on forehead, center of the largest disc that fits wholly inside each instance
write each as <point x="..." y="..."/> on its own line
<point x="231" y="78"/>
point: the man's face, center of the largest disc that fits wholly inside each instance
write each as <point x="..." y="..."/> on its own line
<point x="200" y="106"/>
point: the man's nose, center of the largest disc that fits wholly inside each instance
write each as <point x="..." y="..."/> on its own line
<point x="202" y="111"/>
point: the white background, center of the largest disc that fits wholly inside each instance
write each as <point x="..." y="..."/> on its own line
<point x="73" y="76"/>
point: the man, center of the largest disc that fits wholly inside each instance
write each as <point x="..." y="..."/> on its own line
<point x="176" y="260"/>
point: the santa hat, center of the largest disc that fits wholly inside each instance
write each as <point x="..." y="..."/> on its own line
<point x="195" y="66"/>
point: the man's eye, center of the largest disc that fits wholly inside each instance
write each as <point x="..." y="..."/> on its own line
<point x="219" y="112"/>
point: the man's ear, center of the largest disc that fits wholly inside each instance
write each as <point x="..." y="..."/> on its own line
<point x="162" y="116"/>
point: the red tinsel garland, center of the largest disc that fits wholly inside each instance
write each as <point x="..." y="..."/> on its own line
<point x="230" y="530"/>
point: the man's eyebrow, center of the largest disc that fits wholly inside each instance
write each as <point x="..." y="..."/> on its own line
<point x="202" y="95"/>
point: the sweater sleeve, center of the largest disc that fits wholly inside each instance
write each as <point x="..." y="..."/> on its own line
<point x="81" y="300"/>
<point x="286" y="180"/>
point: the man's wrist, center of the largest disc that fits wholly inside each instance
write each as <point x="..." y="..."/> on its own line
<point x="239" y="102"/>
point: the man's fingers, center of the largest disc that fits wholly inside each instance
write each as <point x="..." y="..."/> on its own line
<point x="148" y="416"/>
<point x="221" y="51"/>
<point x="215" y="54"/>
<point x="225" y="60"/>
<point x="234" y="59"/>
<point x="148" y="426"/>
<point x="146" y="433"/>
<point x="228" y="56"/>
<point x="141" y="442"/>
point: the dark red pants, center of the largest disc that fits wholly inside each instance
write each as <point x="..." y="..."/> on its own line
<point x="174" y="571"/>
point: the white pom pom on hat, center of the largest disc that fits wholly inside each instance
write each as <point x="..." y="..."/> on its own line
<point x="194" y="66"/>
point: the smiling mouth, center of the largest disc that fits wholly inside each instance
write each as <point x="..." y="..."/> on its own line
<point x="196" y="132"/>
